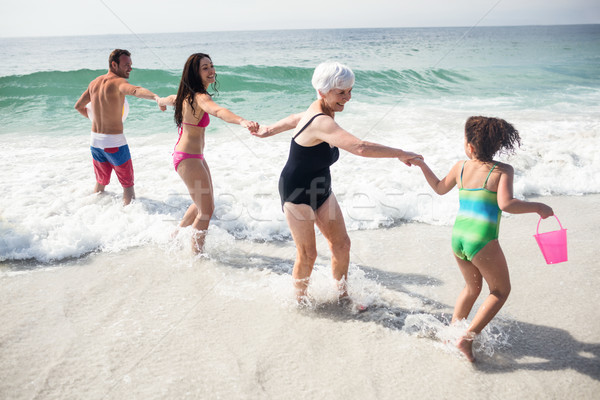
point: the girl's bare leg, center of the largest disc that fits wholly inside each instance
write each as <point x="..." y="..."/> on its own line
<point x="491" y="264"/>
<point x="468" y="296"/>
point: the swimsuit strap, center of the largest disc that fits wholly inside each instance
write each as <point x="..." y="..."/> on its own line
<point x="461" y="174"/>
<point x="488" y="175"/>
<point x="307" y="124"/>
<point x="486" y="179"/>
<point x="180" y="131"/>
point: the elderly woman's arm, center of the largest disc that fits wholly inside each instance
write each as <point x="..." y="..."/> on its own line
<point x="329" y="131"/>
<point x="282" y="125"/>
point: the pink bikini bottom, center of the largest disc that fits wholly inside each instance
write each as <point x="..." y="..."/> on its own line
<point x="179" y="156"/>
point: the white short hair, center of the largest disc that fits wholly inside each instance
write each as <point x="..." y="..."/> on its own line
<point x="332" y="75"/>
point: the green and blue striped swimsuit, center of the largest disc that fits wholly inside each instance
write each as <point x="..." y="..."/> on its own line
<point x="477" y="221"/>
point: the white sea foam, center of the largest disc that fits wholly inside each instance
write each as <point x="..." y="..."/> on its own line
<point x="49" y="213"/>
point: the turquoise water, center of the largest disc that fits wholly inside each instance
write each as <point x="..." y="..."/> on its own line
<point x="268" y="73"/>
<point x="414" y="90"/>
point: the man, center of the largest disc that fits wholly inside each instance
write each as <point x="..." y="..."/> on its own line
<point x="109" y="147"/>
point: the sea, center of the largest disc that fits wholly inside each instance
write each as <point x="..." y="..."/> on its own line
<point x="105" y="301"/>
<point x="414" y="89"/>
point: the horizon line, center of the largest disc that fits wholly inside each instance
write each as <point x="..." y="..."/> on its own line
<point x="291" y="29"/>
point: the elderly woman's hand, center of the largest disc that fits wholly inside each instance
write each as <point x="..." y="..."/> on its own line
<point x="410" y="158"/>
<point x="263" y="132"/>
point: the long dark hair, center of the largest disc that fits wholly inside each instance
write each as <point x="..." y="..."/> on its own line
<point x="490" y="135"/>
<point x="191" y="83"/>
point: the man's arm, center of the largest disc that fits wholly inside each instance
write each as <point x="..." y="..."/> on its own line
<point x="81" y="103"/>
<point x="168" y="101"/>
<point x="130" y="90"/>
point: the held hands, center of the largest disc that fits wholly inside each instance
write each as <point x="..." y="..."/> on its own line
<point x="162" y="103"/>
<point x="250" y="125"/>
<point x="263" y="132"/>
<point x="418" y="161"/>
<point x="410" y="158"/>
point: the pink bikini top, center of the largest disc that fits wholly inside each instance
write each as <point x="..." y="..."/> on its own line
<point x="203" y="123"/>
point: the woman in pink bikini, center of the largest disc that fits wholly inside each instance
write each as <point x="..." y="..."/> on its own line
<point x="193" y="104"/>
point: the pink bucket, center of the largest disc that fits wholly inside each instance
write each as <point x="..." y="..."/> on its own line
<point x="552" y="244"/>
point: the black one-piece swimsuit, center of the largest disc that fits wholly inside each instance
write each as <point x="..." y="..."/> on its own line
<point x="306" y="179"/>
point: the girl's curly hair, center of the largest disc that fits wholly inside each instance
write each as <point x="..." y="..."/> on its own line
<point x="488" y="136"/>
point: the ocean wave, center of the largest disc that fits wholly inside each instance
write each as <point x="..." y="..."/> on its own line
<point x="411" y="81"/>
<point x="291" y="79"/>
<point x="70" y="83"/>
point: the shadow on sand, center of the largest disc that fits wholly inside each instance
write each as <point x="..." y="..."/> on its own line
<point x="531" y="347"/>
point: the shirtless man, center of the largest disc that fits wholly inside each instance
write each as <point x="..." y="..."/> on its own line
<point x="109" y="147"/>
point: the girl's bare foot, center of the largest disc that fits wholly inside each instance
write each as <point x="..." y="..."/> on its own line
<point x="465" y="345"/>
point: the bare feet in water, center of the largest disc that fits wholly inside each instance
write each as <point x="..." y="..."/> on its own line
<point x="465" y="345"/>
<point x="346" y="302"/>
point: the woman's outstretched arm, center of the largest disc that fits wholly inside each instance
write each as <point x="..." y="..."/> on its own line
<point x="285" y="124"/>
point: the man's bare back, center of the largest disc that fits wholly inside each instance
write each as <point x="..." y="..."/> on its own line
<point x="107" y="95"/>
<point x="107" y="103"/>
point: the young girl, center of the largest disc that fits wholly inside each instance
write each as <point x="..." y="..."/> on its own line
<point x="485" y="189"/>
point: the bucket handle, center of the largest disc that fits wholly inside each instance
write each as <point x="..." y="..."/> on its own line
<point x="538" y="225"/>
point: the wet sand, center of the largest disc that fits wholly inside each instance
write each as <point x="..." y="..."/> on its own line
<point x="153" y="323"/>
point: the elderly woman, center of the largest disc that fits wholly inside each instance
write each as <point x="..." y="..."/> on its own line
<point x="305" y="182"/>
<point x="193" y="104"/>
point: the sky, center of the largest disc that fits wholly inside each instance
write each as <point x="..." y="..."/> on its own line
<point x="35" y="18"/>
